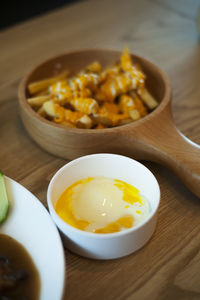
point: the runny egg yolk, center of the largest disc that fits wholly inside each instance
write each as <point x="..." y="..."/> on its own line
<point x="102" y="205"/>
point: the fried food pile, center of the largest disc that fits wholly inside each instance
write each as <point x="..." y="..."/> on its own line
<point x="95" y="98"/>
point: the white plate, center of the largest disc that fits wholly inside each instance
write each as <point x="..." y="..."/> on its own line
<point x="30" y="224"/>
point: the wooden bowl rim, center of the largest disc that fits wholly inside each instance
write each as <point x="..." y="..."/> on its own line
<point x="24" y="104"/>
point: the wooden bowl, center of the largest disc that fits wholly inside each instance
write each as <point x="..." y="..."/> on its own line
<point x="153" y="138"/>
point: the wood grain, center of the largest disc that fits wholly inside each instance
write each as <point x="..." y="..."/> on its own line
<point x="164" y="32"/>
<point x="154" y="138"/>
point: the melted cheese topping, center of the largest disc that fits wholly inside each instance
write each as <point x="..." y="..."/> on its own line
<point x="102" y="205"/>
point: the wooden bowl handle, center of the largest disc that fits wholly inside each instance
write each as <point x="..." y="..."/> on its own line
<point x="166" y="145"/>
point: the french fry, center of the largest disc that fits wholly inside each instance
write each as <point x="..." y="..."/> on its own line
<point x="36" y="102"/>
<point x="126" y="103"/>
<point x="147" y="98"/>
<point x="85" y="105"/>
<point x="138" y="104"/>
<point x="60" y="114"/>
<point x="42" y="112"/>
<point x="109" y="119"/>
<point x="101" y="119"/>
<point x="48" y="108"/>
<point x="73" y="116"/>
<point x="55" y="111"/>
<point x="38" y="86"/>
<point x="42" y="93"/>
<point x="134" y="114"/>
<point x="84" y="122"/>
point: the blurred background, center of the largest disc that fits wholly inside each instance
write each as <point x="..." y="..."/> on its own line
<point x="15" y="11"/>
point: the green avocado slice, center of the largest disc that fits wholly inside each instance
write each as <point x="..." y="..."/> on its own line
<point x="4" y="204"/>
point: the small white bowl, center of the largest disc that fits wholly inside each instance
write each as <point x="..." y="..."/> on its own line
<point x="111" y="245"/>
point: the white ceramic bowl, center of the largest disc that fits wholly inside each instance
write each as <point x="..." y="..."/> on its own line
<point x="112" y="245"/>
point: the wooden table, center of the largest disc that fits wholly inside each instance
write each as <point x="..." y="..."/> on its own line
<point x="165" y="32"/>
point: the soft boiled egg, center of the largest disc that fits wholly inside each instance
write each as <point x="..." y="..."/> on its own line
<point x="102" y="205"/>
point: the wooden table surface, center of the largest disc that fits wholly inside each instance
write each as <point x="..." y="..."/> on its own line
<point x="165" y="32"/>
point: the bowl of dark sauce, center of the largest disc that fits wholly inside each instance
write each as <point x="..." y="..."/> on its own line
<point x="32" y="260"/>
<point x="19" y="277"/>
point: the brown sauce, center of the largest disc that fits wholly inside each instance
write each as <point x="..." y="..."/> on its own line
<point x="19" y="278"/>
